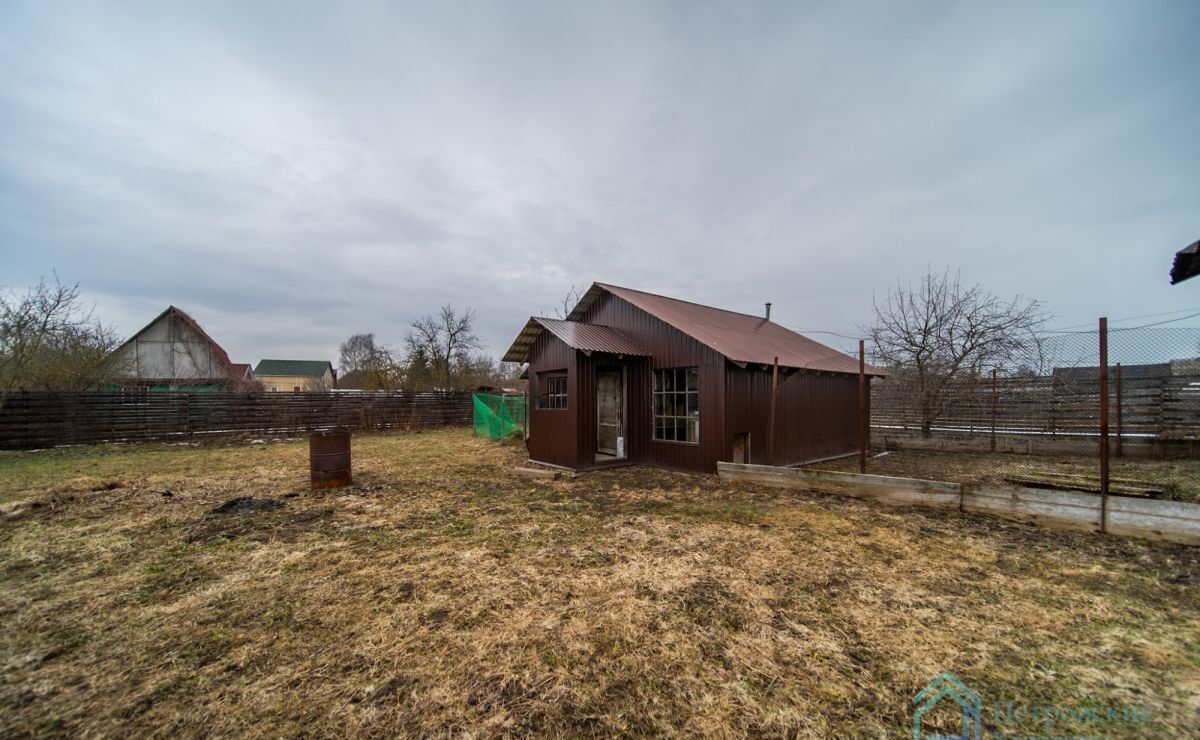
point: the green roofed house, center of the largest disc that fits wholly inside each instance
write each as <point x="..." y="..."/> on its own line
<point x="295" y="375"/>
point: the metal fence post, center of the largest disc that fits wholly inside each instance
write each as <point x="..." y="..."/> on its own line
<point x="862" y="407"/>
<point x="1103" y="424"/>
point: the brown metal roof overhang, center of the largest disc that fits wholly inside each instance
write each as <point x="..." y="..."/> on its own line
<point x="575" y="334"/>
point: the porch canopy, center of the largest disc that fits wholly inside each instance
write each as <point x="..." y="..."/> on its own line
<point x="576" y="335"/>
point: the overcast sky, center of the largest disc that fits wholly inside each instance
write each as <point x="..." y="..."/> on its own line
<point x="291" y="173"/>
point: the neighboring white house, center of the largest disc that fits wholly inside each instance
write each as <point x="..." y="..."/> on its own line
<point x="172" y="352"/>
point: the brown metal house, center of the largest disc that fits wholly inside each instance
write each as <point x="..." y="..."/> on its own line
<point x="634" y="377"/>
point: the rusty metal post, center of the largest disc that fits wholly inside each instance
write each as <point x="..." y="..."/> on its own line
<point x="771" y="428"/>
<point x="1103" y="424"/>
<point x="862" y="407"/>
<point x="1119" y="430"/>
<point x="994" y="403"/>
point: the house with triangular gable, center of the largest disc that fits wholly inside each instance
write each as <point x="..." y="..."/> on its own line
<point x="173" y="353"/>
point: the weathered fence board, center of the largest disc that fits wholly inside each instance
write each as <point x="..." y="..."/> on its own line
<point x="1170" y="521"/>
<point x="31" y="420"/>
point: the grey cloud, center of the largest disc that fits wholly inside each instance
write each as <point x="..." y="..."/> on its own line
<point x="296" y="172"/>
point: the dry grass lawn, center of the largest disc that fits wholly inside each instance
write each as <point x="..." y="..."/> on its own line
<point x="441" y="595"/>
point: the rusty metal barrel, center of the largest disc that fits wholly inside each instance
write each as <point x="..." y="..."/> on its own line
<point x="329" y="459"/>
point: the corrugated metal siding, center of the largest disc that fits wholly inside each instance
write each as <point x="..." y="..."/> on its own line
<point x="592" y="338"/>
<point x="668" y="347"/>
<point x="637" y="408"/>
<point x="818" y="412"/>
<point x="576" y="334"/>
<point x="553" y="433"/>
<point x="817" y="416"/>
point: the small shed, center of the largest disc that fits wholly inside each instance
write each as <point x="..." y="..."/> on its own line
<point x="635" y="377"/>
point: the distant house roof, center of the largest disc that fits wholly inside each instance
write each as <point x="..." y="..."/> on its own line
<point x="575" y="334"/>
<point x="239" y="370"/>
<point x="1187" y="263"/>
<point x="179" y="313"/>
<point x="740" y="337"/>
<point x="299" y="368"/>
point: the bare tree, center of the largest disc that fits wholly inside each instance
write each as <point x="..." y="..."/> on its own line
<point x="942" y="332"/>
<point x="445" y="342"/>
<point x="49" y="341"/>
<point x="367" y="365"/>
<point x="568" y="302"/>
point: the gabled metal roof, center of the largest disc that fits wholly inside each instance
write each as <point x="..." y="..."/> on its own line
<point x="575" y="334"/>
<point x="740" y="337"/>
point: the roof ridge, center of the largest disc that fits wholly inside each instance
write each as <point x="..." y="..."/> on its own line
<point x="692" y="303"/>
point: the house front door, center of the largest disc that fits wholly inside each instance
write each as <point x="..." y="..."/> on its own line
<point x="610" y="404"/>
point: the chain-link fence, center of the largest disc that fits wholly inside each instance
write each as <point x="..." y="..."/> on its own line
<point x="1038" y="422"/>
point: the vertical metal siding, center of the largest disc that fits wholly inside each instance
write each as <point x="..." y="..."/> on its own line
<point x="552" y="433"/>
<point x="817" y="415"/>
<point x="668" y="348"/>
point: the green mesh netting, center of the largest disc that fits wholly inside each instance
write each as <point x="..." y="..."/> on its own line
<point x="499" y="416"/>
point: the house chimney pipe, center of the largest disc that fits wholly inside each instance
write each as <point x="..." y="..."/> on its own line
<point x="768" y="310"/>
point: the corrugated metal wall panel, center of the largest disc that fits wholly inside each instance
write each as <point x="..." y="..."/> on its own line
<point x="668" y="348"/>
<point x="818" y="412"/>
<point x="817" y="416"/>
<point x="552" y="432"/>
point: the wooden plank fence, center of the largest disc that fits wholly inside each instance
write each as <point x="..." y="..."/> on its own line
<point x="30" y="420"/>
<point x="1158" y="402"/>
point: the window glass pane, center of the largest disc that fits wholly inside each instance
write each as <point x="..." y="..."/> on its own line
<point x="675" y="404"/>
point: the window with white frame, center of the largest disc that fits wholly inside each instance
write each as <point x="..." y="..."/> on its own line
<point x="554" y="392"/>
<point x="677" y="404"/>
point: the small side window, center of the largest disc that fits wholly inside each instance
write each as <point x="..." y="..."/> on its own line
<point x="554" y="392"/>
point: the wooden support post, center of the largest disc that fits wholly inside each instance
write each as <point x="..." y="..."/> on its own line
<point x="994" y="403"/>
<point x="771" y="423"/>
<point x="1119" y="430"/>
<point x="1103" y="424"/>
<point x="862" y="407"/>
